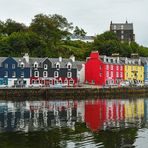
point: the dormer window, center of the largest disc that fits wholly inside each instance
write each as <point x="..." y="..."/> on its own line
<point x="22" y="65"/>
<point x="57" y="65"/>
<point x="45" y="66"/>
<point x="35" y="65"/>
<point x="69" y="65"/>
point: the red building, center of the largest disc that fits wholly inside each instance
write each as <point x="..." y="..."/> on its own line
<point x="102" y="70"/>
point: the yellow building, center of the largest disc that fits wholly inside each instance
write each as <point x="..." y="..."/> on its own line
<point x="134" y="73"/>
<point x="133" y="70"/>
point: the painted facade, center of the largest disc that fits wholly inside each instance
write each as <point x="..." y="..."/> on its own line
<point x="133" y="70"/>
<point x="103" y="70"/>
<point x="144" y="61"/>
<point x="14" y="72"/>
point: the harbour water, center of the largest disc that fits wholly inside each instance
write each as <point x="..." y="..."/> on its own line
<point x="108" y="123"/>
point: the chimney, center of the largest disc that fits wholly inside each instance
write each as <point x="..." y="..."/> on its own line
<point x="72" y="58"/>
<point x="26" y="57"/>
<point x="60" y="59"/>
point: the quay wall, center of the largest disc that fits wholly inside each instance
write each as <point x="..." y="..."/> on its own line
<point x="71" y="93"/>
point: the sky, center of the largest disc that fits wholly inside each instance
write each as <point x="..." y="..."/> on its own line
<point x="94" y="16"/>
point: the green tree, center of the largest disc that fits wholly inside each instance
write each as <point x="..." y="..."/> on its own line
<point x="79" y="32"/>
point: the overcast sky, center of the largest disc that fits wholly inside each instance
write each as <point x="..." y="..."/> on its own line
<point x="93" y="16"/>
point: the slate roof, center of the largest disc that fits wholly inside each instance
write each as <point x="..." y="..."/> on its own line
<point x="126" y="26"/>
<point x="130" y="61"/>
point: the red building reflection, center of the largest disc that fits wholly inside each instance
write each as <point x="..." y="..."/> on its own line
<point x="99" y="113"/>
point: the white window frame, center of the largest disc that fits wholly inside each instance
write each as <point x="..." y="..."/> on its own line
<point x="58" y="65"/>
<point x="45" y="74"/>
<point x="117" y="74"/>
<point x="121" y="74"/>
<point x="36" y="73"/>
<point x="111" y="73"/>
<point x="22" y="65"/>
<point x="56" y="74"/>
<point x="45" y="66"/>
<point x="117" y="67"/>
<point x="69" y="74"/>
<point x="111" y="67"/>
<point x="35" y="65"/>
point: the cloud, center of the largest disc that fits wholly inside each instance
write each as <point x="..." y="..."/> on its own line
<point x="92" y="15"/>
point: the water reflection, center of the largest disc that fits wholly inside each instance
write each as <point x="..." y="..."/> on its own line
<point x="90" y="123"/>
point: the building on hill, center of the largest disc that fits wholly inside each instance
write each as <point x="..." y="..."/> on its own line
<point x="124" y="31"/>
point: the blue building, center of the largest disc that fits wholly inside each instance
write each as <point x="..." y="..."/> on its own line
<point x="145" y="63"/>
<point x="15" y="71"/>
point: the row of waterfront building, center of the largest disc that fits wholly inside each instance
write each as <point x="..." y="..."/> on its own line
<point x="97" y="70"/>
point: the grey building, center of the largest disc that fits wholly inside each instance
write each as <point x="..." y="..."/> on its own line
<point x="124" y="31"/>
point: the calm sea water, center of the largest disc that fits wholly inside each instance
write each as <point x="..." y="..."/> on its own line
<point x="116" y="123"/>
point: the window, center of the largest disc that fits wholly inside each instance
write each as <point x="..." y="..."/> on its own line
<point x="117" y="74"/>
<point x="69" y="74"/>
<point x="122" y="32"/>
<point x="13" y="74"/>
<point x="69" y="66"/>
<point x="6" y="74"/>
<point x="6" y="65"/>
<point x="127" y="74"/>
<point x="45" y="66"/>
<point x="111" y="67"/>
<point x="57" y="65"/>
<point x="115" y="27"/>
<point x="35" y="65"/>
<point x="115" y="31"/>
<point x="120" y="67"/>
<point x="122" y="27"/>
<point x="111" y="74"/>
<point x="55" y="81"/>
<point x="13" y="66"/>
<point x="107" y="74"/>
<point x="56" y="74"/>
<point x="122" y="37"/>
<point x="22" y="74"/>
<point x="65" y="82"/>
<point x="120" y="74"/>
<point x="100" y="67"/>
<point x="45" y="74"/>
<point x="100" y="74"/>
<point x="60" y="81"/>
<point x="36" y="74"/>
<point x="71" y="82"/>
<point x="107" y="67"/>
<point x="117" y="67"/>
<point x="22" y="65"/>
